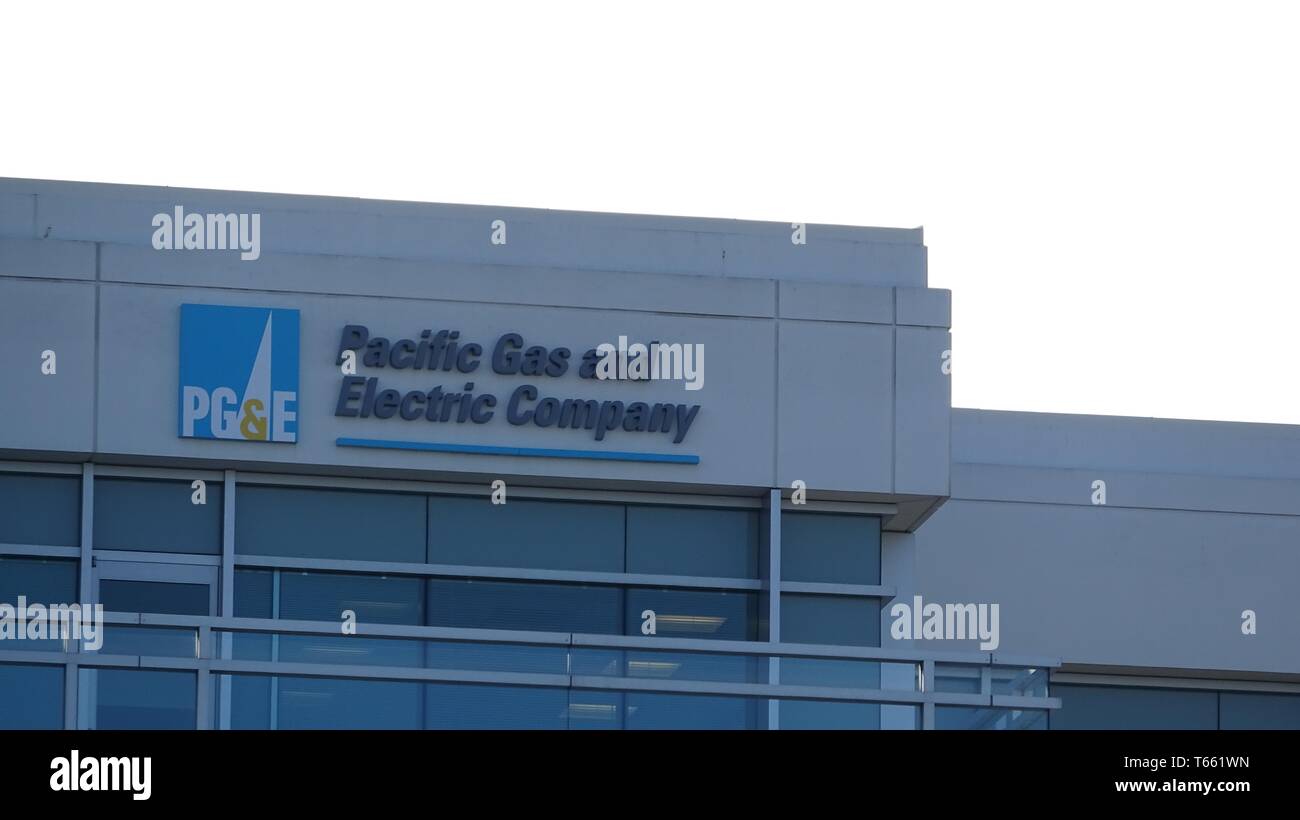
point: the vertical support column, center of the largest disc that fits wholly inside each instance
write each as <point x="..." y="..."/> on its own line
<point x="897" y="570"/>
<point x="86" y="577"/>
<point x="79" y="705"/>
<point x="275" y="650"/>
<point x="202" y="697"/>
<point x="927" y="686"/>
<point x="774" y="599"/>
<point x="227" y="607"/>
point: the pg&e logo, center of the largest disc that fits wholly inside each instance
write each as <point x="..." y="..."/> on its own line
<point x="239" y="373"/>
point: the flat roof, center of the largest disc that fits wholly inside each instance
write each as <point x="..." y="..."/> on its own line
<point x="343" y="226"/>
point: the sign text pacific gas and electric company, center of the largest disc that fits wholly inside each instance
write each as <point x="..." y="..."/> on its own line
<point x="365" y="397"/>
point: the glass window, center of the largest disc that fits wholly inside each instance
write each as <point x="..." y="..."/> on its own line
<point x="253" y="593"/>
<point x="31" y="697"/>
<point x="475" y="604"/>
<point x="36" y="508"/>
<point x="339" y="524"/>
<point x="144" y="699"/>
<point x="250" y="701"/>
<point x="813" y="714"/>
<point x="826" y="548"/>
<point x="527" y="534"/>
<point x="39" y="580"/>
<point x="689" y="541"/>
<point x="322" y="596"/>
<point x="328" y="703"/>
<point x="376" y="599"/>
<point x="153" y="596"/>
<point x="1120" y="707"/>
<point x="830" y="619"/>
<point x="450" y="706"/>
<point x="1258" y="710"/>
<point x="687" y="613"/>
<point x="975" y="717"/>
<point x="655" y="711"/>
<point x="43" y="582"/>
<point x="252" y="600"/>
<point x="156" y="516"/>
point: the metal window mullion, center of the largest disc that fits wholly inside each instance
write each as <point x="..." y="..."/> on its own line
<point x="227" y="608"/>
<point x="774" y="601"/>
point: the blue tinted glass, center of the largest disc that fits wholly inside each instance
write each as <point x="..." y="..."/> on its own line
<point x="1117" y="707"/>
<point x="153" y="596"/>
<point x="656" y="664"/>
<point x="342" y="524"/>
<point x="148" y="640"/>
<point x="492" y="657"/>
<point x="528" y="534"/>
<point x="253" y="593"/>
<point x="807" y="714"/>
<point x="376" y="599"/>
<point x="595" y="710"/>
<point x="678" y="613"/>
<point x="654" y="711"/>
<point x="973" y="718"/>
<point x="39" y="580"/>
<point x="252" y="600"/>
<point x="830" y="619"/>
<point x="31" y="697"/>
<point x="688" y="541"/>
<point x="323" y="596"/>
<point x="156" y="516"/>
<point x="250" y="701"/>
<point x="449" y="706"/>
<point x="841" y="549"/>
<point x="40" y="509"/>
<point x="1240" y="710"/>
<point x="326" y="703"/>
<point x="144" y="699"/>
<point x="537" y="607"/>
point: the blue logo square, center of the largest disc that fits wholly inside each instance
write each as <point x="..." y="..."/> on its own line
<point x="239" y="373"/>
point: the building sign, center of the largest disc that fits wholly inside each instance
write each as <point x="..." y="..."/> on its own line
<point x="239" y="373"/>
<point x="239" y="381"/>
<point x="530" y="403"/>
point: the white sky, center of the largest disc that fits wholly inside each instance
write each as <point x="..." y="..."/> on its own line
<point x="1111" y="190"/>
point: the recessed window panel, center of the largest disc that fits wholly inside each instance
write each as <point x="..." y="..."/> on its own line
<point x="153" y="596"/>
<point x="1120" y="707"/>
<point x="540" y="607"/>
<point x="689" y="541"/>
<point x="830" y="548"/>
<point x="830" y="619"/>
<point x="1258" y="710"/>
<point x="526" y="533"/>
<point x="39" y="580"/>
<point x="36" y="508"/>
<point x="339" y="524"/>
<point x="156" y="516"/>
